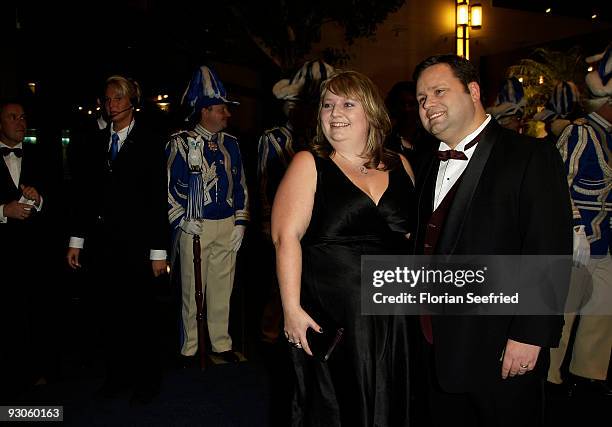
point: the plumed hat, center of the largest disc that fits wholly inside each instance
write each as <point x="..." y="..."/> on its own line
<point x="204" y="89"/>
<point x="563" y="100"/>
<point x="599" y="80"/>
<point x="305" y="84"/>
<point x="510" y="100"/>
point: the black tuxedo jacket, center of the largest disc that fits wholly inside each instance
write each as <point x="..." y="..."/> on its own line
<point x="23" y="254"/>
<point x="121" y="206"/>
<point x="513" y="199"/>
<point x="32" y="174"/>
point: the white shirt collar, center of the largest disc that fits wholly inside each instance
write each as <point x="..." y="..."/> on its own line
<point x="2" y="144"/>
<point x="123" y="133"/>
<point x="468" y="138"/>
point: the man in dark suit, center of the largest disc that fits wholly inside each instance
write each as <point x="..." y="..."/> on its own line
<point x="488" y="191"/>
<point x="121" y="223"/>
<point x="21" y="253"/>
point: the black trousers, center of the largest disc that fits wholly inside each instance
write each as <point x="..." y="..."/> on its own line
<point x="127" y="316"/>
<point x="29" y="319"/>
<point x="515" y="401"/>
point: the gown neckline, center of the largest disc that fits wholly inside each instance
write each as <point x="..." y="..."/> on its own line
<point x="361" y="190"/>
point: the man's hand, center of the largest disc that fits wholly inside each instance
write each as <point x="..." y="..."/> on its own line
<point x="73" y="258"/>
<point x="159" y="267"/>
<point x="17" y="210"/>
<point x="582" y="247"/>
<point x="30" y="193"/>
<point x="191" y="226"/>
<point x="519" y="358"/>
<point x="237" y="236"/>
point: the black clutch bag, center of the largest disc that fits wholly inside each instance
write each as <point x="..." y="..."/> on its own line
<point x="322" y="344"/>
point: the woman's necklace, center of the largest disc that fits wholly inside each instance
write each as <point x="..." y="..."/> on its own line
<point x="362" y="169"/>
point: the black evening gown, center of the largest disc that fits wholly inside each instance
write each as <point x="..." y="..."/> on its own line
<point x="365" y="381"/>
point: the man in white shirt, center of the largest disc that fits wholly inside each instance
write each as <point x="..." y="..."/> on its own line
<point x="12" y="134"/>
<point x="488" y="191"/>
<point x="121" y="223"/>
<point x="21" y="253"/>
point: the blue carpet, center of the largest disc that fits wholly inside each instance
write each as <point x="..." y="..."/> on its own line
<point x="223" y="395"/>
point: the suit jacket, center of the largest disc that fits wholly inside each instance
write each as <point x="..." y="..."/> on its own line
<point x="32" y="174"/>
<point x="121" y="205"/>
<point x="513" y="199"/>
<point x="22" y="247"/>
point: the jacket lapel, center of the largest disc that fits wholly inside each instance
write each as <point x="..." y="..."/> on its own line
<point x="129" y="140"/>
<point x="465" y="193"/>
<point x="5" y="175"/>
<point x="26" y="165"/>
<point x="426" y="196"/>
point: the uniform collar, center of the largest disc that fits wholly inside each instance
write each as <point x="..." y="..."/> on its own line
<point x="201" y="130"/>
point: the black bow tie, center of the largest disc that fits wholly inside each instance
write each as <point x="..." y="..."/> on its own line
<point x="6" y="151"/>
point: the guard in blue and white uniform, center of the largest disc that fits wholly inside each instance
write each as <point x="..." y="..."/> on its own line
<point x="278" y="145"/>
<point x="207" y="196"/>
<point x="586" y="149"/>
<point x="276" y="148"/>
<point x="510" y="103"/>
<point x="562" y="108"/>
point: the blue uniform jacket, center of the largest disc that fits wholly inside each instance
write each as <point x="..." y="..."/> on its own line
<point x="220" y="172"/>
<point x="585" y="149"/>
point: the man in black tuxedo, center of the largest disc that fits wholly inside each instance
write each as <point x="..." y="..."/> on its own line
<point x="121" y="224"/>
<point x="488" y="191"/>
<point x="21" y="253"/>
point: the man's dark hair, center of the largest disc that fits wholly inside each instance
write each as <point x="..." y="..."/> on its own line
<point x="10" y="101"/>
<point x="463" y="69"/>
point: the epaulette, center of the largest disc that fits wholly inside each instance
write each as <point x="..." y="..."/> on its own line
<point x="279" y="132"/>
<point x="184" y="133"/>
<point x="228" y="136"/>
<point x="272" y="130"/>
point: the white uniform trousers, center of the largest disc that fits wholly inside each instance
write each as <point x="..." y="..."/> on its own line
<point x="218" y="266"/>
<point x="593" y="341"/>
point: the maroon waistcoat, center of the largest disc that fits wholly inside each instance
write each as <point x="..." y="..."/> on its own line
<point x="432" y="234"/>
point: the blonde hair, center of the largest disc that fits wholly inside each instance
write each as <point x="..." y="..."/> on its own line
<point x="127" y="87"/>
<point x="355" y="85"/>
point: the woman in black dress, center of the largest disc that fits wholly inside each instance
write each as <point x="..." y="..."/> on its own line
<point x="345" y="198"/>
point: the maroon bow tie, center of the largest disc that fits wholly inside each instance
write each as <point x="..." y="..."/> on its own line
<point x="444" y="155"/>
<point x="451" y="154"/>
<point x="6" y="151"/>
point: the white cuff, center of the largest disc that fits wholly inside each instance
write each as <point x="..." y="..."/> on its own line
<point x="158" y="255"/>
<point x="76" y="242"/>
<point x="3" y="219"/>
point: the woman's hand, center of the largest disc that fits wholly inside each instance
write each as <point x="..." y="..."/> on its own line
<point x="297" y="323"/>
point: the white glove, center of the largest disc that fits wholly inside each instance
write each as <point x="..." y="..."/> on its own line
<point x="191" y="226"/>
<point x="582" y="248"/>
<point x="237" y="235"/>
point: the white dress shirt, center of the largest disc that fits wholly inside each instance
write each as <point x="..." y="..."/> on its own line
<point x="450" y="170"/>
<point x="123" y="133"/>
<point x="13" y="163"/>
<point x="79" y="242"/>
